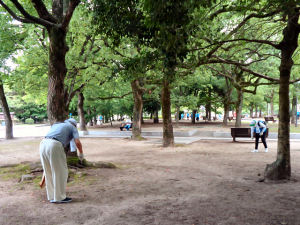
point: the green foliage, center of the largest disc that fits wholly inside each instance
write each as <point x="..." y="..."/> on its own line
<point x="31" y="112"/>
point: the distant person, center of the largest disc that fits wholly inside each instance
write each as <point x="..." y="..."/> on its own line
<point x="187" y="116"/>
<point x="182" y="116"/>
<point x="259" y="129"/>
<point x="197" y="116"/>
<point x="101" y="119"/>
<point x="53" y="158"/>
<point x="127" y="124"/>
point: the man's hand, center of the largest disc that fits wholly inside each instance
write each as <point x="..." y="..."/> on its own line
<point x="81" y="156"/>
<point x="261" y="133"/>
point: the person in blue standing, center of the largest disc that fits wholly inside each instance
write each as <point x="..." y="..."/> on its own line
<point x="182" y="116"/>
<point x="197" y="116"/>
<point x="53" y="158"/>
<point x="259" y="129"/>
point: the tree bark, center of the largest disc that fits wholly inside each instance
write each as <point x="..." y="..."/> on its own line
<point x="57" y="72"/>
<point x="82" y="124"/>
<point x="239" y="107"/>
<point x="168" y="136"/>
<point x="6" y="112"/>
<point x="281" y="168"/>
<point x="137" y="110"/>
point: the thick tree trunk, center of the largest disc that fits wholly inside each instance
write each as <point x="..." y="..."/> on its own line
<point x="137" y="110"/>
<point x="294" y="109"/>
<point x="239" y="107"/>
<point x="57" y="72"/>
<point x="6" y="112"/>
<point x="82" y="124"/>
<point x="281" y="168"/>
<point x="168" y="136"/>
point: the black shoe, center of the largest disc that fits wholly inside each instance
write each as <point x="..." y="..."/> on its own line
<point x="66" y="200"/>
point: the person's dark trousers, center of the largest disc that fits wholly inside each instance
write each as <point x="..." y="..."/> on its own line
<point x="263" y="139"/>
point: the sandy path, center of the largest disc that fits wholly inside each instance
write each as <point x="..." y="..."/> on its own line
<point x="208" y="182"/>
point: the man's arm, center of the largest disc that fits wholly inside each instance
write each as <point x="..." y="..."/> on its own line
<point x="78" y="145"/>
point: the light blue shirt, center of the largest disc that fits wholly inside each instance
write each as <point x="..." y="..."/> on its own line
<point x="63" y="132"/>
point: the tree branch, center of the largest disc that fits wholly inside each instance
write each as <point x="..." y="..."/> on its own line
<point x="42" y="11"/>
<point x="111" y="97"/>
<point x="72" y="6"/>
<point x="28" y="17"/>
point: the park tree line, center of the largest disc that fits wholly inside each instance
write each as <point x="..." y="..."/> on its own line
<point x="120" y="56"/>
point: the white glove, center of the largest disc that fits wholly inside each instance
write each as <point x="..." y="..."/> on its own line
<point x="81" y="156"/>
<point x="261" y="133"/>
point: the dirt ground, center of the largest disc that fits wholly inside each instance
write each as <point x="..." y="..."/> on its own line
<point x="207" y="182"/>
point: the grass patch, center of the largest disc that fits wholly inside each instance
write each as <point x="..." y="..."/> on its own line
<point x="14" y="172"/>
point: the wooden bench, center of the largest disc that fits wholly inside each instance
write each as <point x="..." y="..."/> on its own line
<point x="242" y="132"/>
<point x="123" y="125"/>
<point x="270" y="118"/>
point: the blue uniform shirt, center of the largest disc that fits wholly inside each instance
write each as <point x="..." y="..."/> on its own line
<point x="63" y="132"/>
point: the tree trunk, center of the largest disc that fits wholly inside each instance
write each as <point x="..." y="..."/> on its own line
<point x="57" y="111"/>
<point x="272" y="102"/>
<point x="177" y="115"/>
<point x="239" y="107"/>
<point x="82" y="125"/>
<point x="194" y="116"/>
<point x="251" y="112"/>
<point x="156" y="118"/>
<point x="256" y="112"/>
<point x="226" y="113"/>
<point x="91" y="119"/>
<point x="260" y="115"/>
<point x="294" y="109"/>
<point x="226" y="102"/>
<point x="281" y="168"/>
<point x="6" y="112"/>
<point x="168" y="136"/>
<point x="137" y="110"/>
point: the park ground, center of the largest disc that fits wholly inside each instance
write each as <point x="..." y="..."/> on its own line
<point x="206" y="182"/>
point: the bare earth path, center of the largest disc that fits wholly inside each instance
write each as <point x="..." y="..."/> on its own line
<point x="207" y="182"/>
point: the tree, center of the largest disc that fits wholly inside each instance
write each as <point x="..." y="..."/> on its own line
<point x="56" y="23"/>
<point x="10" y="35"/>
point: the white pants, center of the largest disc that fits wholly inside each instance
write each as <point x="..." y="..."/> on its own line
<point x="54" y="163"/>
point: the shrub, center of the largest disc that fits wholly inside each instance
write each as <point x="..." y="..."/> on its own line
<point x="29" y="121"/>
